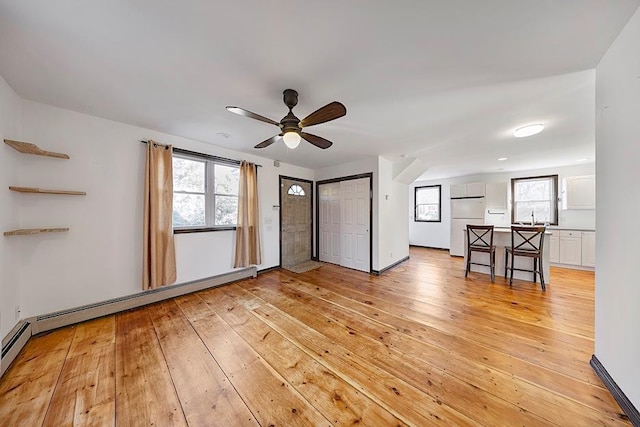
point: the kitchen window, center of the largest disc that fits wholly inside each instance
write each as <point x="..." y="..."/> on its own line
<point x="205" y="194"/>
<point x="427" y="203"/>
<point x="535" y="198"/>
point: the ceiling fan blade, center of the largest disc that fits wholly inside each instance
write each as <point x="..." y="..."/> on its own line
<point x="247" y="113"/>
<point x="316" y="140"/>
<point x="268" y="142"/>
<point x="327" y="113"/>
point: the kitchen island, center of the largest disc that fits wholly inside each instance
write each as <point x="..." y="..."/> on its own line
<point x="502" y="238"/>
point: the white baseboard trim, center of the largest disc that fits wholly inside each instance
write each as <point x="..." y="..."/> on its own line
<point x="18" y="337"/>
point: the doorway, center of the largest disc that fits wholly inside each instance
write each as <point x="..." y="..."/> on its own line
<point x="296" y="220"/>
<point x="344" y="220"/>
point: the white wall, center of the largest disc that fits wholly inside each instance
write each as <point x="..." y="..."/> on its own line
<point x="618" y="210"/>
<point x="392" y="218"/>
<point x="9" y="209"/>
<point x="437" y="234"/>
<point x="100" y="257"/>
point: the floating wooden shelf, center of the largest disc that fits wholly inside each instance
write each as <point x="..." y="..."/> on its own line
<point x="43" y="191"/>
<point x="27" y="231"/>
<point x="29" y="148"/>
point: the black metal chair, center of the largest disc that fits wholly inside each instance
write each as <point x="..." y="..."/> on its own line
<point x="527" y="242"/>
<point x="480" y="239"/>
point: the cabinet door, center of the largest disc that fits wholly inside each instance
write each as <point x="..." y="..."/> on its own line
<point x="496" y="195"/>
<point x="554" y="248"/>
<point x="588" y="249"/>
<point x="475" y="189"/>
<point x="580" y="192"/>
<point x="458" y="190"/>
<point x="571" y="250"/>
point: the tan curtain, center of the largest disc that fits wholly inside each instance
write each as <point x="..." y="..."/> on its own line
<point x="159" y="264"/>
<point x="248" y="227"/>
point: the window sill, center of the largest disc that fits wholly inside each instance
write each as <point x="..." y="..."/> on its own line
<point x="202" y="229"/>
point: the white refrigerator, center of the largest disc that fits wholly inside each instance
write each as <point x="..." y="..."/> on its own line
<point x="468" y="210"/>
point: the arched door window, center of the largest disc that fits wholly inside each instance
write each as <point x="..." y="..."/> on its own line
<point x="296" y="190"/>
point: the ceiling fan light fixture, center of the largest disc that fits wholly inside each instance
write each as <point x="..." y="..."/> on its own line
<point x="291" y="139"/>
<point x="528" y="130"/>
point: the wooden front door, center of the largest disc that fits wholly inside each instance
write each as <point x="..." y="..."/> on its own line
<point x="295" y="221"/>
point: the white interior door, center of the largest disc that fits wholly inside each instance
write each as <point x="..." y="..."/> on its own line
<point x="354" y="224"/>
<point x="330" y="222"/>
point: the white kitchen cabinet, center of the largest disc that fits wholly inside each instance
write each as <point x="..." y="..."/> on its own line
<point x="471" y="189"/>
<point x="570" y="249"/>
<point x="588" y="249"/>
<point x="579" y="192"/>
<point x="496" y="195"/>
<point x="554" y="247"/>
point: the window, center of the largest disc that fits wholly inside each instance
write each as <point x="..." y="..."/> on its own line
<point x="205" y="193"/>
<point x="537" y="196"/>
<point x="296" y="190"/>
<point x="427" y="203"/>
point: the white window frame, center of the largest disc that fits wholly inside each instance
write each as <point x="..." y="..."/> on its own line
<point x="553" y="201"/>
<point x="209" y="194"/>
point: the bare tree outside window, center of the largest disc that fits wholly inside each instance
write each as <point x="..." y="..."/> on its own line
<point x="205" y="193"/>
<point x="535" y="199"/>
<point x="427" y="203"/>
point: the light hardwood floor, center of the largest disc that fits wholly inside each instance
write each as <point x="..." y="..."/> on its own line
<point x="420" y="345"/>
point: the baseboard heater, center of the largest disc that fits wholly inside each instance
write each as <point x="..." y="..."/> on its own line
<point x="20" y="334"/>
<point x="15" y="340"/>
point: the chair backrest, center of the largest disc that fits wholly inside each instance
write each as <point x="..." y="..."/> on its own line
<point x="480" y="235"/>
<point x="527" y="238"/>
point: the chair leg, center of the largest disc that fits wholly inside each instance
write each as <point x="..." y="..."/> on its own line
<point x="512" y="265"/>
<point x="466" y="270"/>
<point x="506" y="263"/>
<point x="535" y="266"/>
<point x="492" y="262"/>
<point x="544" y="288"/>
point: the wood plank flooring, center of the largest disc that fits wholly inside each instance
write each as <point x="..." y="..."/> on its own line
<point x="419" y="345"/>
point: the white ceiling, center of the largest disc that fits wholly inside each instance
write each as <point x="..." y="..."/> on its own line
<point x="444" y="81"/>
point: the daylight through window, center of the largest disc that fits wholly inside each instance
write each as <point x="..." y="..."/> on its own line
<point x="296" y="190"/>
<point x="205" y="193"/>
<point x="427" y="203"/>
<point x="535" y="198"/>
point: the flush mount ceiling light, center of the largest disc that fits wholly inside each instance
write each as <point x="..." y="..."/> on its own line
<point x="502" y="159"/>
<point x="528" y="130"/>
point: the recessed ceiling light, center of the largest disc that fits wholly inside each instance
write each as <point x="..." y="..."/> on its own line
<point x="528" y="130"/>
<point x="502" y="159"/>
<point x="223" y="135"/>
<point x="582" y="160"/>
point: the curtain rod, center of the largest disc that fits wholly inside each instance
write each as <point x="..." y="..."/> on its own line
<point x="195" y="153"/>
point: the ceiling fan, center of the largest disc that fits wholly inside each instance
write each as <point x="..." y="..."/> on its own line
<point x="291" y="126"/>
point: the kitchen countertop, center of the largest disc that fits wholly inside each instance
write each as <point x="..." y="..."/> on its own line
<point x="561" y="227"/>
